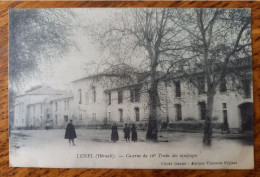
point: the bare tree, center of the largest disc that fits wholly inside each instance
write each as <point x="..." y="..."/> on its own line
<point x="35" y="36"/>
<point x="148" y="31"/>
<point x="217" y="39"/>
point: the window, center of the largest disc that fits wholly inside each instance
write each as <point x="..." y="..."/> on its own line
<point x="109" y="115"/>
<point x="109" y="98"/>
<point x="41" y="108"/>
<point x="223" y="85"/>
<point x="137" y="115"/>
<point x="135" y="95"/>
<point x="246" y="88"/>
<point x="177" y="89"/>
<point x="132" y="95"/>
<point x="80" y="116"/>
<point x="178" y="112"/>
<point x="225" y="126"/>
<point x="66" y="118"/>
<point x="80" y="96"/>
<point x="56" y="106"/>
<point x="201" y="85"/>
<point x="94" y="93"/>
<point x="65" y="104"/>
<point x="33" y="109"/>
<point x="225" y="118"/>
<point x="86" y="98"/>
<point x="202" y="110"/>
<point x="56" y="119"/>
<point x="121" y="115"/>
<point x="224" y="105"/>
<point x="68" y="104"/>
<point x="120" y="96"/>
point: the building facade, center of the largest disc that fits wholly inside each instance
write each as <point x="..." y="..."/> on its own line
<point x="102" y="102"/>
<point x="35" y="109"/>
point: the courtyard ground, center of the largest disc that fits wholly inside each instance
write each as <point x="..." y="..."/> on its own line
<point x="49" y="149"/>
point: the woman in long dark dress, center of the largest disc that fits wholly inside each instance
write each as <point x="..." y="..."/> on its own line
<point x="114" y="134"/>
<point x="127" y="133"/>
<point x="134" y="133"/>
<point x="70" y="133"/>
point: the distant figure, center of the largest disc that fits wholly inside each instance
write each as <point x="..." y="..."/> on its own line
<point x="134" y="133"/>
<point x="114" y="134"/>
<point x="47" y="126"/>
<point x="127" y="133"/>
<point x="70" y="133"/>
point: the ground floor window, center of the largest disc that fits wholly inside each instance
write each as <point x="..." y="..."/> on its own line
<point x="178" y="112"/>
<point x="66" y="118"/>
<point x="56" y="119"/>
<point x="137" y="114"/>
<point x="202" y="110"/>
<point x="121" y="115"/>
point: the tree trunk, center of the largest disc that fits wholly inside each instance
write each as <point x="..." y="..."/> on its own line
<point x="208" y="126"/>
<point x="153" y="95"/>
<point x="152" y="124"/>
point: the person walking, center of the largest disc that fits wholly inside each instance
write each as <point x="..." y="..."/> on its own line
<point x="134" y="133"/>
<point x="114" y="133"/>
<point x="70" y="133"/>
<point x="127" y="133"/>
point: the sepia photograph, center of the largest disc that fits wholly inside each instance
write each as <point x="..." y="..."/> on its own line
<point x="133" y="88"/>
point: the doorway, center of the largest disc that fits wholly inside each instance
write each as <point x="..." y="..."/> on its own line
<point x="202" y="110"/>
<point x="247" y="116"/>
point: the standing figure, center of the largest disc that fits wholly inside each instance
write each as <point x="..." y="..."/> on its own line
<point x="114" y="134"/>
<point x="70" y="133"/>
<point x="127" y="133"/>
<point x="134" y="133"/>
<point x="47" y="126"/>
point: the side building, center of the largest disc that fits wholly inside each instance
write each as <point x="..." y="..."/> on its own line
<point x="33" y="109"/>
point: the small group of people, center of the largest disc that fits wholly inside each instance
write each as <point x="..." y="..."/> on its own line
<point x="70" y="133"/>
<point x="127" y="130"/>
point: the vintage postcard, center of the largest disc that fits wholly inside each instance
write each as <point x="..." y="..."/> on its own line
<point x="138" y="88"/>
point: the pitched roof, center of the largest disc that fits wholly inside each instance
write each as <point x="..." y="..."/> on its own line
<point x="63" y="96"/>
<point x="45" y="91"/>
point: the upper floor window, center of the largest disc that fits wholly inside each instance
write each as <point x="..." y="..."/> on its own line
<point x="177" y="89"/>
<point x="120" y="96"/>
<point x="201" y="85"/>
<point x="41" y="108"/>
<point x="135" y="95"/>
<point x="223" y="85"/>
<point x="80" y="96"/>
<point x="246" y="88"/>
<point x="109" y="98"/>
<point x="94" y="94"/>
<point x="66" y="104"/>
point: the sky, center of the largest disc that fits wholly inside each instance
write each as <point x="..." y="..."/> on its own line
<point x="73" y="65"/>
